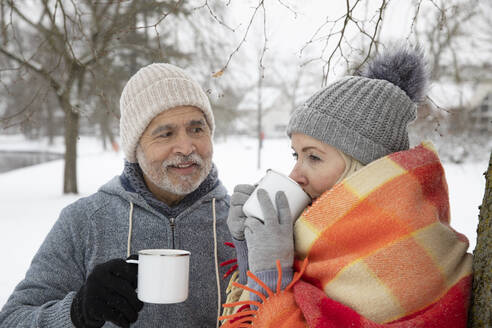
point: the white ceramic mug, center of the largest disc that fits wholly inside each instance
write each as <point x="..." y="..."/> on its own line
<point x="163" y="275"/>
<point x="272" y="182"/>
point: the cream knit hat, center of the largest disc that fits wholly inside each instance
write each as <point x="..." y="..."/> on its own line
<point x="151" y="91"/>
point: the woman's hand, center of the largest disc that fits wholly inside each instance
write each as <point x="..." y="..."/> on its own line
<point x="272" y="240"/>
<point x="235" y="222"/>
<point x="236" y="218"/>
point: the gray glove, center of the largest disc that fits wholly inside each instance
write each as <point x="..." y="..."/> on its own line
<point x="236" y="218"/>
<point x="272" y="240"/>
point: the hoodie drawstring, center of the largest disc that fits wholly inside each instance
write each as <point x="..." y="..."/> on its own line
<point x="216" y="262"/>
<point x="217" y="277"/>
<point x="130" y="221"/>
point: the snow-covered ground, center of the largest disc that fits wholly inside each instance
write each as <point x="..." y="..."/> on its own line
<point x="31" y="198"/>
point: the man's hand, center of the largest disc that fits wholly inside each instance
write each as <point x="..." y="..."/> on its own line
<point x="236" y="218"/>
<point x="272" y="240"/>
<point x="107" y="295"/>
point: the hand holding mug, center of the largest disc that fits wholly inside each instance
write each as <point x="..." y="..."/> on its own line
<point x="107" y="295"/>
<point x="236" y="217"/>
<point x="272" y="239"/>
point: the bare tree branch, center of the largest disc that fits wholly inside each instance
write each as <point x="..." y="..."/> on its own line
<point x="222" y="70"/>
<point x="437" y="106"/>
<point x="265" y="41"/>
<point x="288" y="8"/>
<point x="44" y="74"/>
<point x="338" y="32"/>
<point x="414" y="19"/>
<point x="214" y="16"/>
<point x="7" y="118"/>
<point x="373" y="37"/>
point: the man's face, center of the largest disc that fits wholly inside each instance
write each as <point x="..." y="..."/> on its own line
<point x="175" y="151"/>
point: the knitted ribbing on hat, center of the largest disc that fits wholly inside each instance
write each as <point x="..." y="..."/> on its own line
<point x="366" y="117"/>
<point x="151" y="91"/>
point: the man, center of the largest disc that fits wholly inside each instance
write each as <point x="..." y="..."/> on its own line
<point x="168" y="196"/>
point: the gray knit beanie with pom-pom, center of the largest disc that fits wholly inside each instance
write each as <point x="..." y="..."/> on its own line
<point x="366" y="116"/>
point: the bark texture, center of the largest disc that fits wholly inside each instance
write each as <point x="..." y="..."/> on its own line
<point x="481" y="302"/>
<point x="71" y="137"/>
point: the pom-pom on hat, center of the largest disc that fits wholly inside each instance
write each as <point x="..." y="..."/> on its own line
<point x="152" y="90"/>
<point x="366" y="116"/>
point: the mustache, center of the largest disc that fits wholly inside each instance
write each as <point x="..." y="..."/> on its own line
<point x="181" y="159"/>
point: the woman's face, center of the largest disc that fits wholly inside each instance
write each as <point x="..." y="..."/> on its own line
<point x="318" y="166"/>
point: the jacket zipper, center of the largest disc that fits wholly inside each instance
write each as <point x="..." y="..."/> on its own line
<point x="171" y="221"/>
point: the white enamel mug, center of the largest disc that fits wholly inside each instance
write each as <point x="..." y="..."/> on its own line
<point x="272" y="182"/>
<point x="163" y="275"/>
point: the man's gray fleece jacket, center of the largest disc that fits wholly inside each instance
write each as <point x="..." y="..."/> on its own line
<point x="95" y="229"/>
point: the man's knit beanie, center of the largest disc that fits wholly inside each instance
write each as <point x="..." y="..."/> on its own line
<point x="366" y="116"/>
<point x="152" y="90"/>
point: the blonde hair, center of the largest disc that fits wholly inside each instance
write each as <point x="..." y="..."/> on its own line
<point x="351" y="166"/>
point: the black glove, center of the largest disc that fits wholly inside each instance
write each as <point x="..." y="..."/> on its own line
<point x="107" y="295"/>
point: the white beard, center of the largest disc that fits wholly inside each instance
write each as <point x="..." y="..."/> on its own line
<point x="160" y="176"/>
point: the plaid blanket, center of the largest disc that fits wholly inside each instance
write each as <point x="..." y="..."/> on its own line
<point x="378" y="251"/>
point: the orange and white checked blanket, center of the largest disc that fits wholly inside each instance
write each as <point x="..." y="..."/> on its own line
<point x="377" y="251"/>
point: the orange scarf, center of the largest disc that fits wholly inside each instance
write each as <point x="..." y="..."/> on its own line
<point x="379" y="252"/>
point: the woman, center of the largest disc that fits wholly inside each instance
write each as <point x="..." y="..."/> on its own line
<point x="375" y="248"/>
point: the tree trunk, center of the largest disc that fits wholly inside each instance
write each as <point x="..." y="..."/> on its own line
<point x="71" y="136"/>
<point x="50" y="123"/>
<point x="105" y="128"/>
<point x="481" y="303"/>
